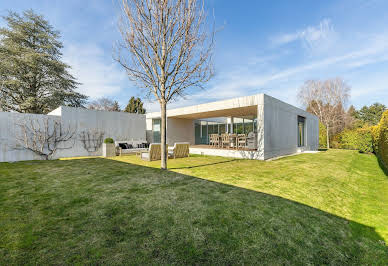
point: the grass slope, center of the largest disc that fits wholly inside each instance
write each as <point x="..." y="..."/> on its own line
<point x="326" y="208"/>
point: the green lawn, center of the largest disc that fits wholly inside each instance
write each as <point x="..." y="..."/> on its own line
<point x="325" y="208"/>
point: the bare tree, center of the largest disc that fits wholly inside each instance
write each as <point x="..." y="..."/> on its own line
<point x="165" y="49"/>
<point x="104" y="104"/>
<point x="44" y="137"/>
<point x="327" y="100"/>
<point x="91" y="139"/>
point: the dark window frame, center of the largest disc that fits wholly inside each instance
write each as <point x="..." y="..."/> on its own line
<point x="301" y="135"/>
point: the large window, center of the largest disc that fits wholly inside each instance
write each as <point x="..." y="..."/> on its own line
<point x="156" y="130"/>
<point x="301" y="131"/>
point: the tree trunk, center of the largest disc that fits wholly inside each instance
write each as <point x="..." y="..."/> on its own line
<point x="327" y="137"/>
<point x="163" y="136"/>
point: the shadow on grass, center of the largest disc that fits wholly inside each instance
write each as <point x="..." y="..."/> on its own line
<point x="104" y="211"/>
<point x="202" y="165"/>
<point x="382" y="165"/>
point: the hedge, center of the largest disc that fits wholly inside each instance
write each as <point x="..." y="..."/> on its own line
<point x="380" y="139"/>
<point x="322" y="136"/>
<point x="357" y="139"/>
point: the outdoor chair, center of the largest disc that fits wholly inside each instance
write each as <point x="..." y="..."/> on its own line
<point x="233" y="140"/>
<point x="241" y="141"/>
<point x="180" y="150"/>
<point x="214" y="139"/>
<point x="225" y="140"/>
<point x="153" y="153"/>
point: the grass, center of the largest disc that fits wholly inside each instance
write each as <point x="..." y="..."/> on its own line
<point x="325" y="208"/>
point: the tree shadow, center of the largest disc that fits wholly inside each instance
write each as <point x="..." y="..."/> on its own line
<point x="202" y="165"/>
<point x="382" y="165"/>
<point x="117" y="212"/>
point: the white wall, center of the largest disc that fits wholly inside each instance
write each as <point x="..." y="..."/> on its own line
<point x="281" y="128"/>
<point x="117" y="125"/>
<point x="10" y="149"/>
<point x="180" y="130"/>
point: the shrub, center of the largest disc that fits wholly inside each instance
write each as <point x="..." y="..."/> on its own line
<point x="108" y="140"/>
<point x="357" y="139"/>
<point x="322" y="136"/>
<point x="380" y="139"/>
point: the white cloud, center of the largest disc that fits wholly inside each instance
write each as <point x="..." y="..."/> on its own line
<point x="314" y="38"/>
<point x="97" y="72"/>
<point x="242" y="81"/>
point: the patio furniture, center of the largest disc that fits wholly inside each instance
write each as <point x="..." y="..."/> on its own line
<point x="225" y="140"/>
<point x="180" y="150"/>
<point x="214" y="140"/>
<point x="233" y="140"/>
<point x="130" y="146"/>
<point x="241" y="141"/>
<point x="252" y="140"/>
<point x="153" y="153"/>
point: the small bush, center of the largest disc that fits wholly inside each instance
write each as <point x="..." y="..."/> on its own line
<point x="108" y="140"/>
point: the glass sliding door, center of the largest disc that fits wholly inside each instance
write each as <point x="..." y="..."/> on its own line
<point x="204" y="135"/>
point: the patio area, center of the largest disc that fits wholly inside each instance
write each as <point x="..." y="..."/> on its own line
<point x="212" y="147"/>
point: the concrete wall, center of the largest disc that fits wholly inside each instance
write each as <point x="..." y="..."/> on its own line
<point x="281" y="128"/>
<point x="178" y="130"/>
<point x="10" y="149"/>
<point x="117" y="125"/>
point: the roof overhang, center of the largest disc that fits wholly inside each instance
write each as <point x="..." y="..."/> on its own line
<point x="237" y="107"/>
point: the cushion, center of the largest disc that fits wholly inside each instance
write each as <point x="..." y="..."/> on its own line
<point x="123" y="145"/>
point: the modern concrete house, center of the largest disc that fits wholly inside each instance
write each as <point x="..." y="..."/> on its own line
<point x="271" y="128"/>
<point x="275" y="128"/>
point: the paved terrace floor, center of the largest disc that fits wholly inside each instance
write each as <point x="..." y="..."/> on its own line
<point x="204" y="146"/>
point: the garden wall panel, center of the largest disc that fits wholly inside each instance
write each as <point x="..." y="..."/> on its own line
<point x="117" y="125"/>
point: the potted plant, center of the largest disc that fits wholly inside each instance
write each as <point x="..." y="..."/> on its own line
<point x="108" y="148"/>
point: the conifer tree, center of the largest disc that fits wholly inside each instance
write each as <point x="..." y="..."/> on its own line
<point x="33" y="79"/>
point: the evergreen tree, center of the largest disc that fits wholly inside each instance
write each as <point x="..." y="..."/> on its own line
<point x="135" y="105"/>
<point x="371" y="114"/>
<point x="33" y="79"/>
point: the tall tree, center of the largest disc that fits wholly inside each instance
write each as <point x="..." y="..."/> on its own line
<point x="33" y="79"/>
<point x="104" y="104"/>
<point x="327" y="100"/>
<point x="135" y="105"/>
<point x="371" y="114"/>
<point x="166" y="49"/>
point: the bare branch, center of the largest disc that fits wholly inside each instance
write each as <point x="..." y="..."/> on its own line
<point x="327" y="100"/>
<point x="91" y="139"/>
<point x="45" y="136"/>
<point x="166" y="49"/>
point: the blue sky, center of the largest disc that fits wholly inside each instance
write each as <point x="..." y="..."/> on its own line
<point x="264" y="46"/>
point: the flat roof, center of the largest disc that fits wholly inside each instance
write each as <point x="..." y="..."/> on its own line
<point x="237" y="107"/>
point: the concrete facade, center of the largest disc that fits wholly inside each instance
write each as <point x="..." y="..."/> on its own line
<point x="277" y="125"/>
<point x="281" y="129"/>
<point x="116" y="125"/>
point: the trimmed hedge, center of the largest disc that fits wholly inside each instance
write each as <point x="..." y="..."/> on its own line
<point x="357" y="139"/>
<point x="108" y="140"/>
<point x="380" y="139"/>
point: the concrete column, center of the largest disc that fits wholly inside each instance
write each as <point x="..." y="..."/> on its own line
<point x="231" y="124"/>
